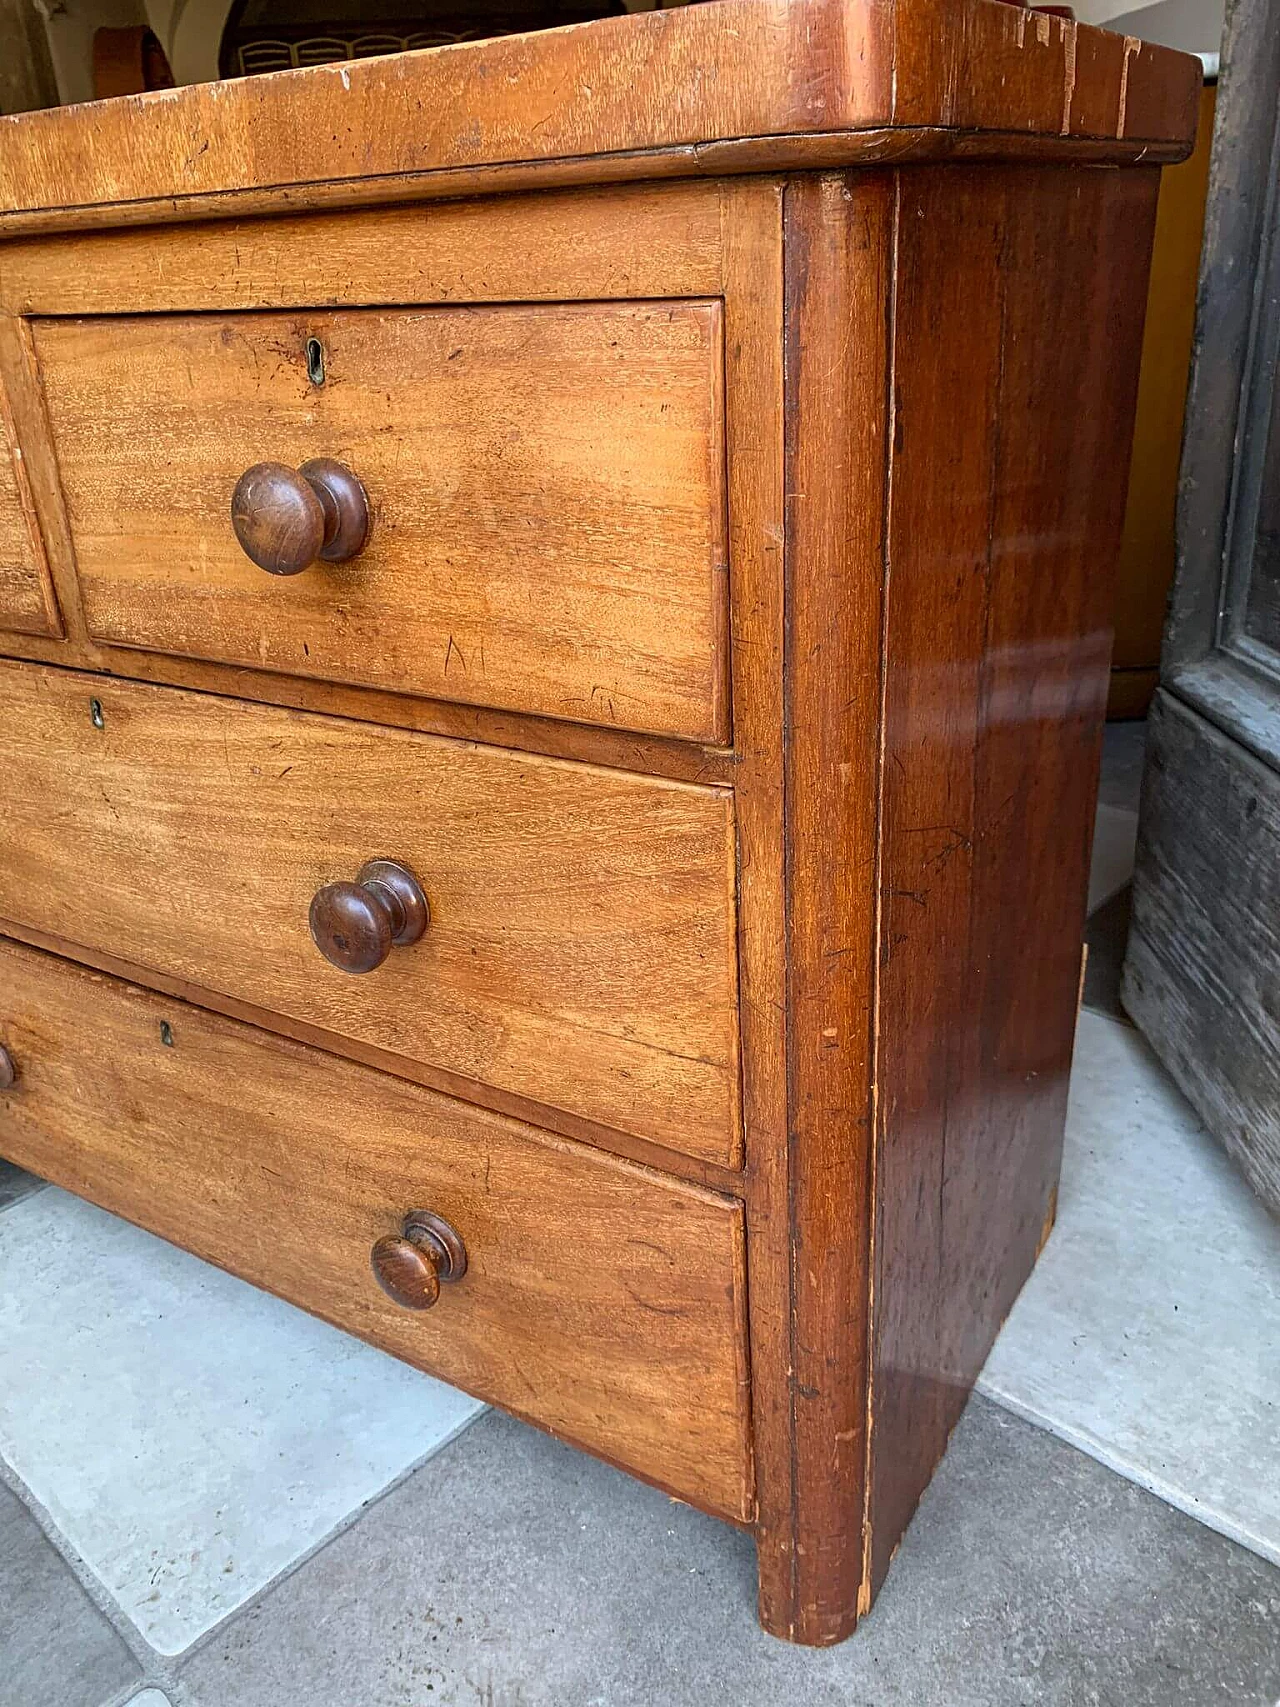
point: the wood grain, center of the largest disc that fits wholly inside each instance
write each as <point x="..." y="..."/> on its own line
<point x="754" y="265"/>
<point x="580" y="951"/>
<point x="840" y="234"/>
<point x="546" y="484"/>
<point x="1200" y="966"/>
<point x="27" y="603"/>
<point x="1018" y="321"/>
<point x="600" y="1301"/>
<point x="897" y="145"/>
<point x="644" y="240"/>
<point x="715" y="1176"/>
<point x="742" y="69"/>
<point x="1200" y="978"/>
<point x="681" y="761"/>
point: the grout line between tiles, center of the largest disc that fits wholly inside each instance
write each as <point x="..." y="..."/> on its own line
<point x="13" y="1202"/>
<point x="162" y="1671"/>
<point x="132" y="1691"/>
<point x="88" y="1579"/>
<point x="339" y="1529"/>
<point x="1083" y="1440"/>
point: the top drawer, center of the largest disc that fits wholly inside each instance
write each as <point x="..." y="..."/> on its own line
<point x="546" y="484"/>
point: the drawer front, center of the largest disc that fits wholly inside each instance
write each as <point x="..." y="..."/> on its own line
<point x="599" y="1299"/>
<point x="580" y="950"/>
<point x="546" y="484"/>
<point x="27" y="604"/>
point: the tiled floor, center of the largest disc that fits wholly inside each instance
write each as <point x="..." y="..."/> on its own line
<point x="1149" y="1333"/>
<point x="233" y="1432"/>
<point x="213" y="1501"/>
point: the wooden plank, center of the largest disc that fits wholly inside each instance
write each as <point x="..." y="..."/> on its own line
<point x="682" y="761"/>
<point x="27" y="603"/>
<point x="1238" y="216"/>
<point x="580" y="952"/>
<point x="839" y="248"/>
<point x="546" y="486"/>
<point x="600" y="1301"/>
<point x="1199" y="976"/>
<point x="716" y="1176"/>
<point x="738" y="157"/>
<point x="21" y="386"/>
<point x="645" y="240"/>
<point x="743" y="69"/>
<point x="1017" y="330"/>
<point x="756" y="450"/>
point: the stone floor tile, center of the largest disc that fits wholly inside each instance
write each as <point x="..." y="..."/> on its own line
<point x="16" y="1183"/>
<point x="1124" y="752"/>
<point x="1115" y="835"/>
<point x="1149" y="1333"/>
<point x="1107" y="936"/>
<point x="56" y="1648"/>
<point x="514" y="1572"/>
<point x="191" y="1436"/>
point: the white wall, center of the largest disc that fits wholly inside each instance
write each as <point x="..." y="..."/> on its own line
<point x="70" y="25"/>
<point x="191" y="31"/>
<point x="1195" y="26"/>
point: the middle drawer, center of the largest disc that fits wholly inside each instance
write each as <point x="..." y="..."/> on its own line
<point x="581" y="944"/>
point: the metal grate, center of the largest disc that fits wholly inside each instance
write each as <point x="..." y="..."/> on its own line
<point x="265" y="53"/>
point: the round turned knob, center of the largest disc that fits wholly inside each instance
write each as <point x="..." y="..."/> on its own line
<point x="409" y="1266"/>
<point x="8" y="1070"/>
<point x="356" y="925"/>
<point x="287" y="517"/>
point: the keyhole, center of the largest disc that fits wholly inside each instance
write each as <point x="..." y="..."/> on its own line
<point x="315" y="361"/>
<point x="95" y="714"/>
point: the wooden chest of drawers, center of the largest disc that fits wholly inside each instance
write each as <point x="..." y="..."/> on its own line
<point x="553" y="663"/>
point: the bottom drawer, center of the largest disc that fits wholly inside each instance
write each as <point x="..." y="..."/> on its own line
<point x="599" y="1299"/>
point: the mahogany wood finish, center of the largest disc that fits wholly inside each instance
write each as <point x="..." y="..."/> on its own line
<point x="726" y="663"/>
<point x="581" y="945"/>
<point x="547" y="485"/>
<point x="626" y="97"/>
<point x="286" y="519"/>
<point x="1002" y="538"/>
<point x="286" y="1166"/>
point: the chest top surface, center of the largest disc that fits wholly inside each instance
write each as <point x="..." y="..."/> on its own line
<point x="729" y="86"/>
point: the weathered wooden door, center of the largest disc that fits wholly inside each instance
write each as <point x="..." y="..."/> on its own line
<point x="1202" y="978"/>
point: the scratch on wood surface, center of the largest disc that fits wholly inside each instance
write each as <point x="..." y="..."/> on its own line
<point x="1132" y="48"/>
<point x="1069" y="73"/>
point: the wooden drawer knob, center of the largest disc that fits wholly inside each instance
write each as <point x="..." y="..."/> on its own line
<point x="356" y="925"/>
<point x="8" y="1070"/>
<point x="410" y="1265"/>
<point x="285" y="518"/>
